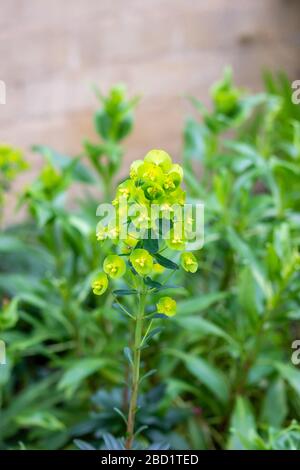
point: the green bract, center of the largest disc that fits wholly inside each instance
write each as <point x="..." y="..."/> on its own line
<point x="114" y="266"/>
<point x="149" y="173"/>
<point x="188" y="262"/>
<point x="225" y="96"/>
<point x="152" y="191"/>
<point x="175" y="241"/>
<point x="166" y="306"/>
<point x="100" y="284"/>
<point x="159" y="158"/>
<point x="134" y="168"/>
<point x="142" y="261"/>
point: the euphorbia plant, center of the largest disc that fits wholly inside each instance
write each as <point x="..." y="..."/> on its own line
<point x="113" y="122"/>
<point x="146" y="219"/>
<point x="11" y="164"/>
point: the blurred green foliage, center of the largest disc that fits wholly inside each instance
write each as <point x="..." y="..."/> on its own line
<point x="224" y="376"/>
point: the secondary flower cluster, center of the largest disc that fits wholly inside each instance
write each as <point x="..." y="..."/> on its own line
<point x="154" y="180"/>
<point x="11" y="162"/>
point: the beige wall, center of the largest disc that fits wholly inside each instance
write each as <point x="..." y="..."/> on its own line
<point x="52" y="51"/>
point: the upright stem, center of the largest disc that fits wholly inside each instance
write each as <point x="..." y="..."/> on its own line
<point x="135" y="370"/>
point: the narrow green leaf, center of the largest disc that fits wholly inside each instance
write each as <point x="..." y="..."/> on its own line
<point x="165" y="262"/>
<point x="125" y="292"/>
<point x="200" y="303"/>
<point x="206" y="373"/>
<point x="242" y="424"/>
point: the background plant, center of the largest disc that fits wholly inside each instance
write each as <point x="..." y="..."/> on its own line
<point x="47" y="264"/>
<point x="11" y="164"/>
<point x="113" y="122"/>
<point x="223" y="364"/>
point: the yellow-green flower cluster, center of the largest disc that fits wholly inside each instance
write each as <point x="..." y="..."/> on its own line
<point x="142" y="261"/>
<point x="166" y="306"/>
<point x="156" y="180"/>
<point x="188" y="262"/>
<point x="11" y="162"/>
<point x="114" y="267"/>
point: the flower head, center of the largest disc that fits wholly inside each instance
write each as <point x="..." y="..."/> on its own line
<point x="188" y="262"/>
<point x="114" y="266"/>
<point x="159" y="158"/>
<point x="173" y="178"/>
<point x="149" y="173"/>
<point x="152" y="191"/>
<point x="134" y="168"/>
<point x="175" y="241"/>
<point x="142" y="261"/>
<point x="166" y="306"/>
<point x="100" y="284"/>
<point x="11" y="161"/>
<point x="124" y="190"/>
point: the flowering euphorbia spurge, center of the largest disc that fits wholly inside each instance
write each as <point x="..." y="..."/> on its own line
<point x="148" y="221"/>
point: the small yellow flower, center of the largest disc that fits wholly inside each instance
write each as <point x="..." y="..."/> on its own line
<point x="142" y="261"/>
<point x="149" y="173"/>
<point x="124" y="189"/>
<point x="114" y="266"/>
<point x="166" y="306"/>
<point x="140" y="216"/>
<point x="173" y="178"/>
<point x="152" y="191"/>
<point x="159" y="158"/>
<point x="134" y="168"/>
<point x="100" y="284"/>
<point x="175" y="241"/>
<point x="188" y="262"/>
<point x="101" y="232"/>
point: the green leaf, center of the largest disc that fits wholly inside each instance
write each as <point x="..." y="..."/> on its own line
<point x="63" y="162"/>
<point x="202" y="327"/>
<point x="9" y="314"/>
<point x="290" y="374"/>
<point x="79" y="371"/>
<point x="128" y="355"/>
<point x="248" y="295"/>
<point x="275" y="399"/>
<point x="40" y="419"/>
<point x="153" y="333"/>
<point x="159" y="446"/>
<point x="111" y="443"/>
<point x="151" y="244"/>
<point x="154" y="284"/>
<point x="82" y="173"/>
<point x="206" y="373"/>
<point x="244" y="250"/>
<point x="118" y="292"/>
<point x="200" y="303"/>
<point x="82" y="445"/>
<point x="242" y="424"/>
<point x="120" y="413"/>
<point x="148" y="374"/>
<point x="165" y="262"/>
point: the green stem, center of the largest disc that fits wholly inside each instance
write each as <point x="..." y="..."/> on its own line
<point x="135" y="369"/>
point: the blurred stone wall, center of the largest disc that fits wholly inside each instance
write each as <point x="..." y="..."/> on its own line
<point x="53" y="51"/>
